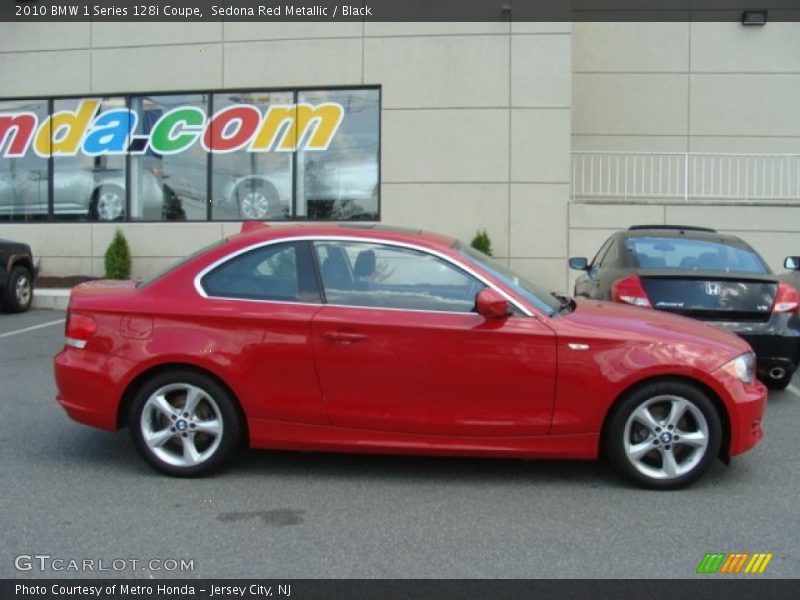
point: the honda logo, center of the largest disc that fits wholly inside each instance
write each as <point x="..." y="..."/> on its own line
<point x="713" y="289"/>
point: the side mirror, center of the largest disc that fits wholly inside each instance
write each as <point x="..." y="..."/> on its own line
<point x="792" y="263"/>
<point x="579" y="263"/>
<point x="490" y="304"/>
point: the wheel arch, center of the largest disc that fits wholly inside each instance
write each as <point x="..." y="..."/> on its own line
<point x="21" y="260"/>
<point x="123" y="410"/>
<point x="719" y="405"/>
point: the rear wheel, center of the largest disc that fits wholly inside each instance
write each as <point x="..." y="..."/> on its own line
<point x="18" y="294"/>
<point x="664" y="435"/>
<point x="184" y="423"/>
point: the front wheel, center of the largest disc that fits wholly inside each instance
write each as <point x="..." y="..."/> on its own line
<point x="184" y="423"/>
<point x="664" y="435"/>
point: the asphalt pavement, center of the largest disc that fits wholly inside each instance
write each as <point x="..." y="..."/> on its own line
<point x="74" y="493"/>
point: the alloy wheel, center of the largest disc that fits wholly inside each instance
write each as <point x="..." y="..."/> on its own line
<point x="181" y="424"/>
<point x="666" y="437"/>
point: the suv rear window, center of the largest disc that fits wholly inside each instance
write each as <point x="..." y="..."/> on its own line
<point x="693" y="255"/>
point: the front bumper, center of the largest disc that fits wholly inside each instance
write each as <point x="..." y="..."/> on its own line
<point x="745" y="404"/>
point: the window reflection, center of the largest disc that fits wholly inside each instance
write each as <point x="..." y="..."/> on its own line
<point x="167" y="187"/>
<point x="341" y="182"/>
<point x="246" y="184"/>
<point x="23" y="180"/>
<point x="84" y="186"/>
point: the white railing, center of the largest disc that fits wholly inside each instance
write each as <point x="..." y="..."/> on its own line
<point x="686" y="177"/>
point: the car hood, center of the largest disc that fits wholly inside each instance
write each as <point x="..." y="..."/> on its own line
<point x="690" y="340"/>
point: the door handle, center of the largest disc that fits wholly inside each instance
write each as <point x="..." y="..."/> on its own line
<point x="344" y="337"/>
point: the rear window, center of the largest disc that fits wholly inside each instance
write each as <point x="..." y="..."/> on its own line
<point x="692" y="255"/>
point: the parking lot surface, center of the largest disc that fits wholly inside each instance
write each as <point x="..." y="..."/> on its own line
<point x="75" y="493"/>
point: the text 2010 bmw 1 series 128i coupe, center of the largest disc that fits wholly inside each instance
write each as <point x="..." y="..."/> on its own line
<point x="372" y="339"/>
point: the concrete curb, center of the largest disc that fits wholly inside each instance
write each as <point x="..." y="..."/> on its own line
<point x="53" y="299"/>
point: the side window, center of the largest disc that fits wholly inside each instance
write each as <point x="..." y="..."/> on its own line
<point x="382" y="276"/>
<point x="279" y="272"/>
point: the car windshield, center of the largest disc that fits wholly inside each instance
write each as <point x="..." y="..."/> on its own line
<point x="532" y="292"/>
<point x="688" y="254"/>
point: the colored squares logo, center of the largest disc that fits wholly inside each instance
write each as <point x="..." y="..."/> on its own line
<point x="735" y="563"/>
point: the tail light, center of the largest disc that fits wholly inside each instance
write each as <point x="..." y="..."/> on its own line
<point x="630" y="291"/>
<point x="79" y="329"/>
<point x="786" y="300"/>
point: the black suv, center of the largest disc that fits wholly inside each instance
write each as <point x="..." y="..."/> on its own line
<point x="699" y="273"/>
<point x="17" y="272"/>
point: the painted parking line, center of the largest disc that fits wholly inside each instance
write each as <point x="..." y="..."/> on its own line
<point x="32" y="328"/>
<point x="794" y="390"/>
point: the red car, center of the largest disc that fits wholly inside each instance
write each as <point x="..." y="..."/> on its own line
<point x="373" y="339"/>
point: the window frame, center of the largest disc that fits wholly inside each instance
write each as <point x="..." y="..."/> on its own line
<point x="51" y="217"/>
<point x="310" y="258"/>
<point x="523" y="309"/>
<point x="390" y="247"/>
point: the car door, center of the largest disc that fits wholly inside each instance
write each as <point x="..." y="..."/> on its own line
<point x="260" y="304"/>
<point x="398" y="348"/>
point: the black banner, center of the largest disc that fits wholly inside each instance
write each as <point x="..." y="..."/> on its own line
<point x="730" y="588"/>
<point x="393" y="10"/>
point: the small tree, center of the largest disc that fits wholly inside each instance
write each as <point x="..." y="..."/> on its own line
<point x="118" y="258"/>
<point x="482" y="243"/>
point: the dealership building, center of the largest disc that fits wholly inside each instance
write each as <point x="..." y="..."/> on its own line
<point x="549" y="136"/>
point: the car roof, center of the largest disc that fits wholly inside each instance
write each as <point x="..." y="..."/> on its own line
<point x="355" y="230"/>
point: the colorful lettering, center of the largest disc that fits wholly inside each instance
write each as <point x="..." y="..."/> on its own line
<point x="283" y="128"/>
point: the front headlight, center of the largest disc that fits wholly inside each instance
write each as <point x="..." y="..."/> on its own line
<point x="742" y="367"/>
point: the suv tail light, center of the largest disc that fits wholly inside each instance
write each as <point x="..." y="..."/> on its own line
<point x="630" y="291"/>
<point x="786" y="300"/>
<point x="79" y="329"/>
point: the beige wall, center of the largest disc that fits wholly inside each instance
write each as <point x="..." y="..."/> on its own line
<point x="478" y="118"/>
<point x="475" y="123"/>
<point x="687" y="87"/>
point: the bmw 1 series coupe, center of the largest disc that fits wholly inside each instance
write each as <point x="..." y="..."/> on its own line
<point x="373" y="339"/>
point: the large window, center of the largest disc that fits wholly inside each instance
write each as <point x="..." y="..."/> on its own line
<point x="23" y="172"/>
<point x="232" y="155"/>
<point x="86" y="186"/>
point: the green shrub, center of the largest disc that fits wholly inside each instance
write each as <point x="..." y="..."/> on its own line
<point x="118" y="258"/>
<point x="482" y="243"/>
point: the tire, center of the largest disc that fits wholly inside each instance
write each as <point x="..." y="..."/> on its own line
<point x="257" y="200"/>
<point x="185" y="443"/>
<point x="18" y="294"/>
<point x="664" y="435"/>
<point x="108" y="203"/>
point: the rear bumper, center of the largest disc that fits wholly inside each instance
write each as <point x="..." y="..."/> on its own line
<point x="776" y="342"/>
<point x="774" y="351"/>
<point x="86" y="388"/>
